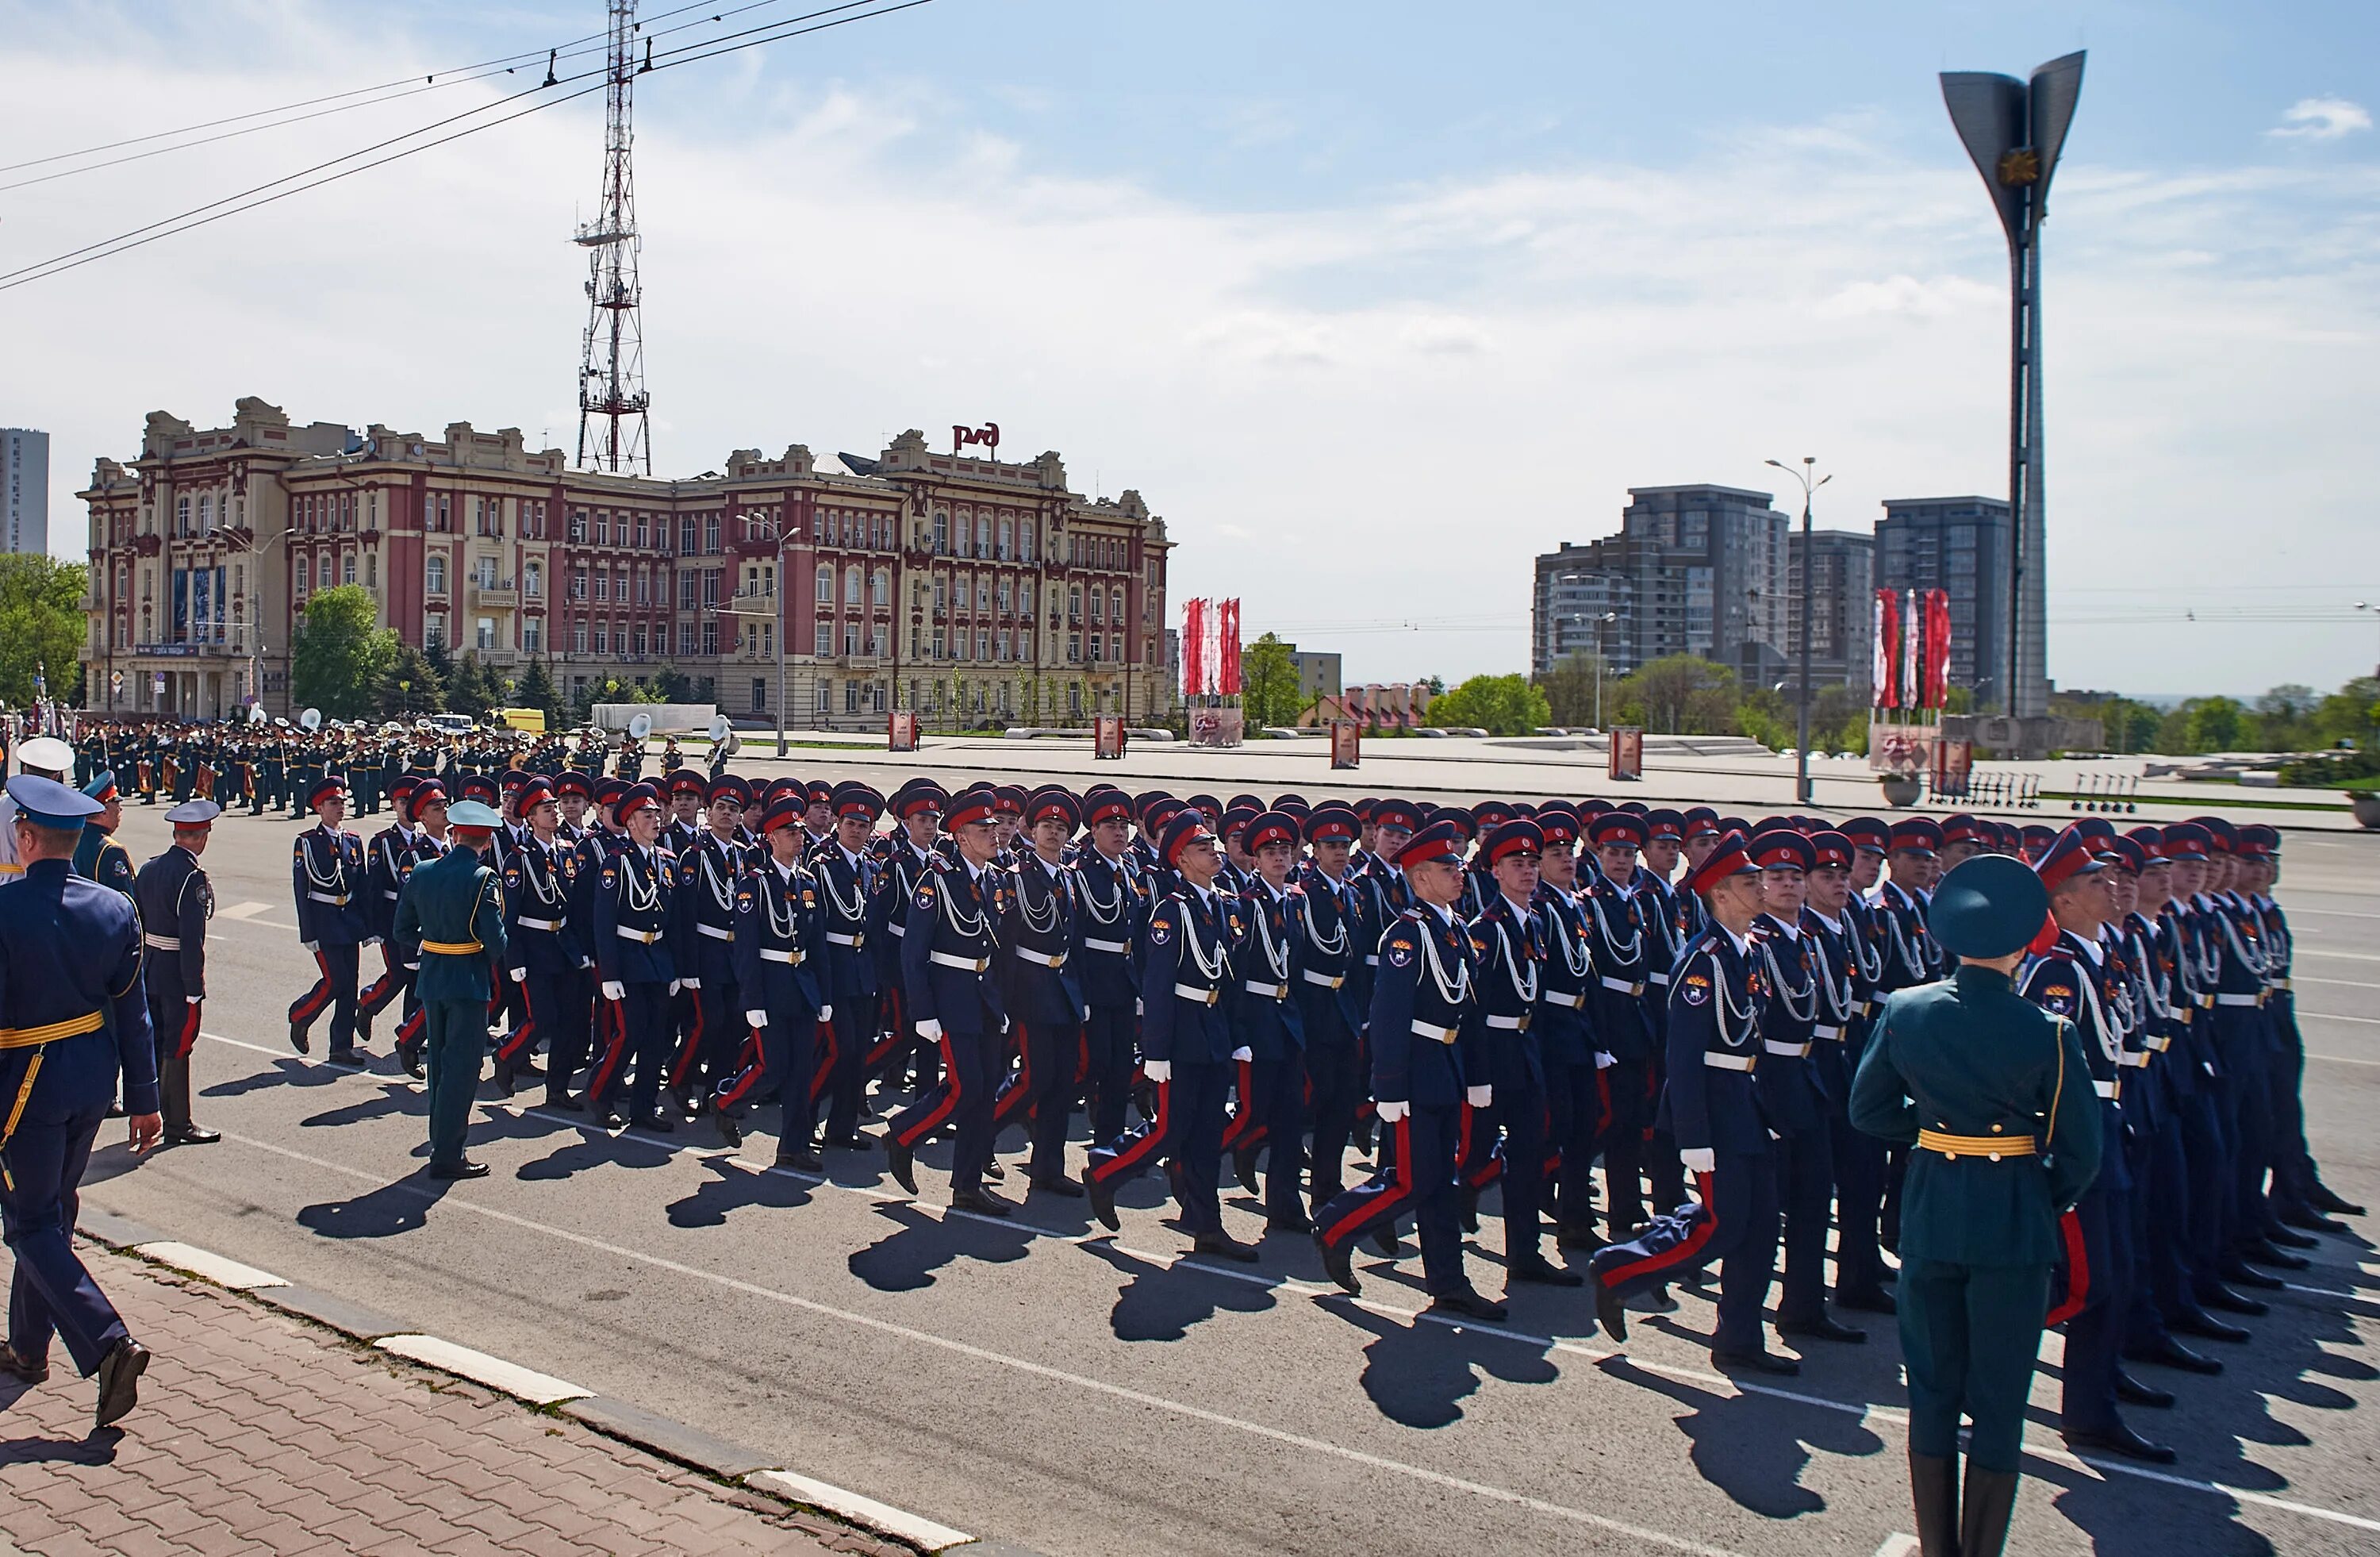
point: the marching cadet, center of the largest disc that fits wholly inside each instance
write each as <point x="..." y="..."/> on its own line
<point x="1625" y="954"/>
<point x="908" y="863"/>
<point x="703" y="936"/>
<point x="387" y="859"/>
<point x="779" y="933"/>
<point x="74" y="1020"/>
<point x="1041" y="988"/>
<point x="1567" y="1046"/>
<point x="176" y="901"/>
<point x="1425" y="1066"/>
<point x="1992" y="1093"/>
<point x="1863" y="1165"/>
<point x="1509" y="937"/>
<point x="542" y="953"/>
<point x="2296" y="1195"/>
<point x="1269" y="1024"/>
<point x="98" y="856"/>
<point x="326" y="874"/>
<point x="848" y="883"/>
<point x="1715" y="1049"/>
<point x="1114" y="898"/>
<point x="687" y="798"/>
<point x="429" y="842"/>
<point x="635" y="961"/>
<point x="946" y="957"/>
<point x="1797" y="977"/>
<point x="1332" y="935"/>
<point x="454" y="908"/>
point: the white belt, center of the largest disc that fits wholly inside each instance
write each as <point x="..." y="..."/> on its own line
<point x="836" y="937"/>
<point x="1569" y="1000"/>
<point x="1373" y="960"/>
<point x="1779" y="1046"/>
<point x="1191" y="992"/>
<point x="1509" y="1024"/>
<point x="2239" y="1000"/>
<point x="2157" y="1042"/>
<point x="1271" y="992"/>
<point x="1622" y="986"/>
<point x="164" y="942"/>
<point x="951" y="959"/>
<point x="717" y="932"/>
<point x="1729" y="1062"/>
<point x="2134" y="1057"/>
<point x="1040" y="959"/>
<point x="1328" y="981"/>
<point x="897" y="929"/>
<point x="541" y="924"/>
<point x="390" y="895"/>
<point x="791" y="960"/>
<point x="1863" y="1008"/>
<point x="1118" y="948"/>
<point x="1660" y="978"/>
<point x="642" y="937"/>
<point x="1830" y="1034"/>
<point x="336" y="899"/>
<point x="2205" y="1000"/>
<point x="2109" y="1089"/>
<point x="2279" y="986"/>
<point x="1438" y="1034"/>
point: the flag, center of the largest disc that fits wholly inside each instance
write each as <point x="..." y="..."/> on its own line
<point x="1912" y="657"/>
<point x="1194" y="644"/>
<point x="1937" y="648"/>
<point x="1228" y="661"/>
<point x="1211" y="650"/>
<point x="1885" y="668"/>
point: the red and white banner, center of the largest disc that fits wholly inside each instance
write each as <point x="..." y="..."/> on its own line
<point x="1194" y="648"/>
<point x="1885" y="668"/>
<point x="1936" y="683"/>
<point x="1227" y="660"/>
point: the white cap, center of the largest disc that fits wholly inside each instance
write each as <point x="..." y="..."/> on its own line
<point x="46" y="753"/>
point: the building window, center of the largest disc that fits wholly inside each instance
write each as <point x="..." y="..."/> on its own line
<point x="437" y="574"/>
<point x="942" y="532"/>
<point x="710" y="635"/>
<point x="876" y="642"/>
<point x="687" y="536"/>
<point x="181" y="516"/>
<point x="604" y="527"/>
<point x="640" y="641"/>
<point x="685" y="588"/>
<point x="938" y="643"/>
<point x="486" y="628"/>
<point x="579" y="638"/>
<point x="851" y="690"/>
<point x="823" y="642"/>
<point x="851" y="584"/>
<point x="487" y="571"/>
<point x="826" y="583"/>
<point x="603" y="583"/>
<point x="644" y="588"/>
<point x="710" y="535"/>
<point x="533" y="635"/>
<point x="710" y="589"/>
<point x="851" y="638"/>
<point x="533" y="580"/>
<point x="433" y="632"/>
<point x="880" y="589"/>
<point x="1075" y="602"/>
<point x="603" y="637"/>
<point x="576" y="529"/>
<point x="1075" y="651"/>
<point x="825" y="697"/>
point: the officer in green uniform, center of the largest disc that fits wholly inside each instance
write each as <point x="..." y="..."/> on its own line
<point x="1994" y="1095"/>
<point x="454" y="907"/>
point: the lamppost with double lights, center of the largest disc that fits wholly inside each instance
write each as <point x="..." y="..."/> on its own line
<point x="1809" y="601"/>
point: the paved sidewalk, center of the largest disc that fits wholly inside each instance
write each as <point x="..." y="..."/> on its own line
<point x="257" y="1432"/>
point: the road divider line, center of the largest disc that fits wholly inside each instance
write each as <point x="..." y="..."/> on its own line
<point x="2342" y="1060"/>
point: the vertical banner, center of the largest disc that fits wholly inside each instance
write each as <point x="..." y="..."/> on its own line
<point x="1887" y="663"/>
<point x="1227" y="662"/>
<point x="1193" y="647"/>
<point x="1911" y="632"/>
<point x="1937" y="648"/>
<point x="1346" y="743"/>
<point x="1626" y="752"/>
<point x="1107" y="737"/>
<point x="1210" y="647"/>
<point x="901" y="731"/>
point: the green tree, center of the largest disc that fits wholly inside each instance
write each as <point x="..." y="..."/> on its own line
<point x="408" y="688"/>
<point x="2215" y="724"/>
<point x="537" y="690"/>
<point x="339" y="653"/>
<point x="40" y="623"/>
<point x="1681" y="695"/>
<point x="470" y="689"/>
<point x="671" y="685"/>
<point x="2351" y="713"/>
<point x="1269" y="690"/>
<point x="1501" y="705"/>
<point x="441" y="663"/>
<point x="1571" y="688"/>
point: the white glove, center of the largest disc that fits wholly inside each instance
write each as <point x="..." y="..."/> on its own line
<point x="1137" y="1007"/>
<point x="371" y="940"/>
<point x="1604" y="1062"/>
<point x="1392" y="1113"/>
<point x="1699" y="1160"/>
<point x="826" y="1012"/>
<point x="756" y="1018"/>
<point x="613" y="989"/>
<point x="1243" y="1052"/>
<point x="311" y="945"/>
<point x="930" y="1030"/>
<point x="674" y="986"/>
<point x="519" y="975"/>
<point x="1479" y="1096"/>
<point x="1087" y="1013"/>
<point x="194" y="999"/>
<point x="1158" y="1070"/>
<point x="686" y="983"/>
<point x="585" y="963"/>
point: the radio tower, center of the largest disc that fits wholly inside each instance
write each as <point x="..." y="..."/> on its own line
<point x="612" y="397"/>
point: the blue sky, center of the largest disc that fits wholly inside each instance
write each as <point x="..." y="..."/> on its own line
<point x="1371" y="301"/>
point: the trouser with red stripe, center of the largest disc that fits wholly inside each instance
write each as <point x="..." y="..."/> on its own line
<point x="2097" y="1297"/>
<point x="173" y="1024"/>
<point x="334" y="991"/>
<point x="1630" y="1086"/>
<point x="1520" y="1116"/>
<point x="1969" y="1341"/>
<point x="1279" y="1106"/>
<point x="1042" y="1093"/>
<point x="1806" y="1193"/>
<point x="1109" y="1041"/>
<point x="710" y="1021"/>
<point x="840" y="1073"/>
<point x="961" y="1103"/>
<point x="540" y="1001"/>
<point x="635" y="1032"/>
<point x="1735" y="1224"/>
<point x="567" y="1029"/>
<point x="1573" y="1115"/>
<point x="1421" y="1180"/>
<point x="395" y="979"/>
<point x="1334" y="1086"/>
<point x="780" y="1072"/>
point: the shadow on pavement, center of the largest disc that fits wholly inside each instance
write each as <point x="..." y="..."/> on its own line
<point x="735" y="1187"/>
<point x="99" y="1448"/>
<point x="395" y="1097"/>
<point x="290" y="1071"/>
<point x="1419" y="1371"/>
<point x="1162" y="1302"/>
<point x="387" y="1212"/>
<point x="1753" y="1447"/>
<point x="906" y="1260"/>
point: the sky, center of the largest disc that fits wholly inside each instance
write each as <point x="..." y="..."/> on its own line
<point x="1372" y="302"/>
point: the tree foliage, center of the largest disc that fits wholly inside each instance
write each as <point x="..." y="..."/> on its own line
<point x="340" y="654"/>
<point x="471" y="689"/>
<point x="1501" y="705"/>
<point x="409" y="688"/>
<point x="1269" y="689"/>
<point x="41" y="624"/>
<point x="537" y="689"/>
<point x="1571" y="689"/>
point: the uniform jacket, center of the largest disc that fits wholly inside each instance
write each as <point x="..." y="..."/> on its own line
<point x="1265" y="1018"/>
<point x="1566" y="991"/>
<point x="1510" y="945"/>
<point x="326" y="873"/>
<point x="70" y="948"/>
<point x="1624" y="954"/>
<point x="1333" y="980"/>
<point x="846" y="891"/>
<point x="99" y="857"/>
<point x="176" y="902"/>
<point x="779" y="928"/>
<point x="1187" y="977"/>
<point x="1039" y="981"/>
<point x="454" y="907"/>
<point x="955" y="913"/>
<point x="631" y="894"/>
<point x="2087" y="992"/>
<point x="1714" y="1048"/>
<point x="537" y="910"/>
<point x="1425" y="1049"/>
<point x="1113" y="899"/>
<point x="1792" y="969"/>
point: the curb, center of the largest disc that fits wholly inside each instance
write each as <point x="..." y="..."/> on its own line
<point x="620" y="1419"/>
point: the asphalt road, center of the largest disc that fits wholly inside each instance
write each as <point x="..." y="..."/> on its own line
<point x="1045" y="1383"/>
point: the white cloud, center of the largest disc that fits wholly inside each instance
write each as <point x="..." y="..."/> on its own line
<point x="2320" y="118"/>
<point x="1378" y="409"/>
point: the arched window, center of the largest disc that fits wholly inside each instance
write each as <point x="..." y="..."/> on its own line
<point x="437" y="574"/>
<point x="851" y="584"/>
<point x="983" y="535"/>
<point x="964" y="538"/>
<point x="322" y="574"/>
<point x="1007" y="537"/>
<point x="826" y="583"/>
<point x="880" y="590"/>
<point x="533" y="579"/>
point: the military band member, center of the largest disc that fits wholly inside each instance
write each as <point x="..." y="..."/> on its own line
<point x="453" y="909"/>
<point x="176" y="901"/>
<point x="327" y="878"/>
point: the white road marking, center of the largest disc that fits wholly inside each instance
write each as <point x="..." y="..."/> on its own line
<point x="2342" y="1060"/>
<point x="2342" y="983"/>
<point x="1897" y="1545"/>
<point x="921" y="1533"/>
<point x="2335" y="1016"/>
<point x="511" y="1377"/>
<point x="213" y="1267"/>
<point x="241" y="910"/>
<point x="2338" y="957"/>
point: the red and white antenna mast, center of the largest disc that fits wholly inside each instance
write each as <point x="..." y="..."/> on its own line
<point x="612" y="397"/>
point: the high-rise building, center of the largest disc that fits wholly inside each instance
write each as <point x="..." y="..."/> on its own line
<point x="1842" y="572"/>
<point x="24" y="489"/>
<point x="1959" y="545"/>
<point x="968" y="588"/>
<point x="1697" y="570"/>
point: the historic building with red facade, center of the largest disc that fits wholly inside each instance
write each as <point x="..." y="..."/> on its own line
<point x="966" y="588"/>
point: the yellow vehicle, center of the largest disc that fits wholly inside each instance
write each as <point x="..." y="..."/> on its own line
<point x="530" y="719"/>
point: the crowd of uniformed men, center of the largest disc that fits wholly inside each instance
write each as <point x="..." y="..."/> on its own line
<point x="1511" y="994"/>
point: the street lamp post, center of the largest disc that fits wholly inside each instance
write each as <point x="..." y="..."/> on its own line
<point x="1602" y="653"/>
<point x="2375" y="609"/>
<point x="1809" y="603"/>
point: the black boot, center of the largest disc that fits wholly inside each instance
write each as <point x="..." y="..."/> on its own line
<point x="1934" y="1487"/>
<point x="1984" y="1521"/>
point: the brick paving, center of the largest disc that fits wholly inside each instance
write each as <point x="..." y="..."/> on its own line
<point x="257" y="1432"/>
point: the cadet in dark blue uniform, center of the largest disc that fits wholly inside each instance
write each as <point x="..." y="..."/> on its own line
<point x="702" y="931"/>
<point x="1426" y="1063"/>
<point x="98" y="856"/>
<point x="1269" y="1024"/>
<point x="73" y="1020"/>
<point x="634" y="963"/>
<point x="1041" y="988"/>
<point x="1334" y="937"/>
<point x="1995" y="1096"/>
<point x="1626" y="1023"/>
<point x="848" y="883"/>
<point x="454" y="907"/>
<point x="176" y="902"/>
<point x="326" y="874"/>
<point x="542" y="953"/>
<point x="1113" y="897"/>
<point x="954" y="1000"/>
<point x="908" y="860"/>
<point x="780" y="925"/>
